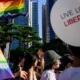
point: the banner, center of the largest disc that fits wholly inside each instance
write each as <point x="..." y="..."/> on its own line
<point x="11" y="6"/>
<point x="5" y="71"/>
<point x="65" y="21"/>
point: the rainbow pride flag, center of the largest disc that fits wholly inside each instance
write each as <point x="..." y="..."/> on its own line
<point x="5" y="71"/>
<point x="11" y="6"/>
<point x="40" y="52"/>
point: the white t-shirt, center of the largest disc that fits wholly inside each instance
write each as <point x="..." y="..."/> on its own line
<point x="48" y="75"/>
<point x="72" y="73"/>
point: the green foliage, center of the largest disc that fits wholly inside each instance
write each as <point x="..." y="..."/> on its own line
<point x="1" y="30"/>
<point x="25" y="34"/>
<point x="29" y="35"/>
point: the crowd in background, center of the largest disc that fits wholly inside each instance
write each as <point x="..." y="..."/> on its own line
<point x="47" y="66"/>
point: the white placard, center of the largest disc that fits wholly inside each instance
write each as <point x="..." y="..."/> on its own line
<point x="65" y="21"/>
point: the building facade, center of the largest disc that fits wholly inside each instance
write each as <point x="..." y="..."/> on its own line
<point x="45" y="27"/>
<point x="21" y="20"/>
<point x="31" y="8"/>
<point x="33" y="15"/>
<point x="50" y="4"/>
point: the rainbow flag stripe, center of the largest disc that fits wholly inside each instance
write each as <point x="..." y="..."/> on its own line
<point x="5" y="71"/>
<point x="40" y="52"/>
<point x="11" y="6"/>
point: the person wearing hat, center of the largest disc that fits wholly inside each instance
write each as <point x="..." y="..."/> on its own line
<point x="51" y="62"/>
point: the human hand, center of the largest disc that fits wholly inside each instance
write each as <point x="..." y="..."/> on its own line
<point x="23" y="74"/>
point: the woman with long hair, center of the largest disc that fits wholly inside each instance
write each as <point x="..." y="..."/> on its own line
<point x="29" y="66"/>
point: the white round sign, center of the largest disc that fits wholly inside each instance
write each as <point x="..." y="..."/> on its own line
<point x="65" y="21"/>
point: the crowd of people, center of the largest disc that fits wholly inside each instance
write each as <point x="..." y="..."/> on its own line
<point x="49" y="66"/>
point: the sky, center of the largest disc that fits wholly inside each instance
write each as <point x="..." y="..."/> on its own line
<point x="40" y="2"/>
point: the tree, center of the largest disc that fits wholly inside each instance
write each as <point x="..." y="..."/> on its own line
<point x="11" y="31"/>
<point x="26" y="35"/>
<point x="30" y="36"/>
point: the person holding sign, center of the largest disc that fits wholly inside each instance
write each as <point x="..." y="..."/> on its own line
<point x="65" y="21"/>
<point x="72" y="73"/>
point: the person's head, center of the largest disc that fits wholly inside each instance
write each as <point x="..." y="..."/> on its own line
<point x="17" y="61"/>
<point x="51" y="60"/>
<point x="30" y="61"/>
<point x="16" y="58"/>
<point x="21" y="63"/>
<point x="67" y="61"/>
<point x="75" y="51"/>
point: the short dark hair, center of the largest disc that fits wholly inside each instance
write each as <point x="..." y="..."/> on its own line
<point x="29" y="61"/>
<point x="66" y="59"/>
<point x="75" y="51"/>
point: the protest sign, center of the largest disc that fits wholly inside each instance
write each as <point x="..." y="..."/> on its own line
<point x="65" y="21"/>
